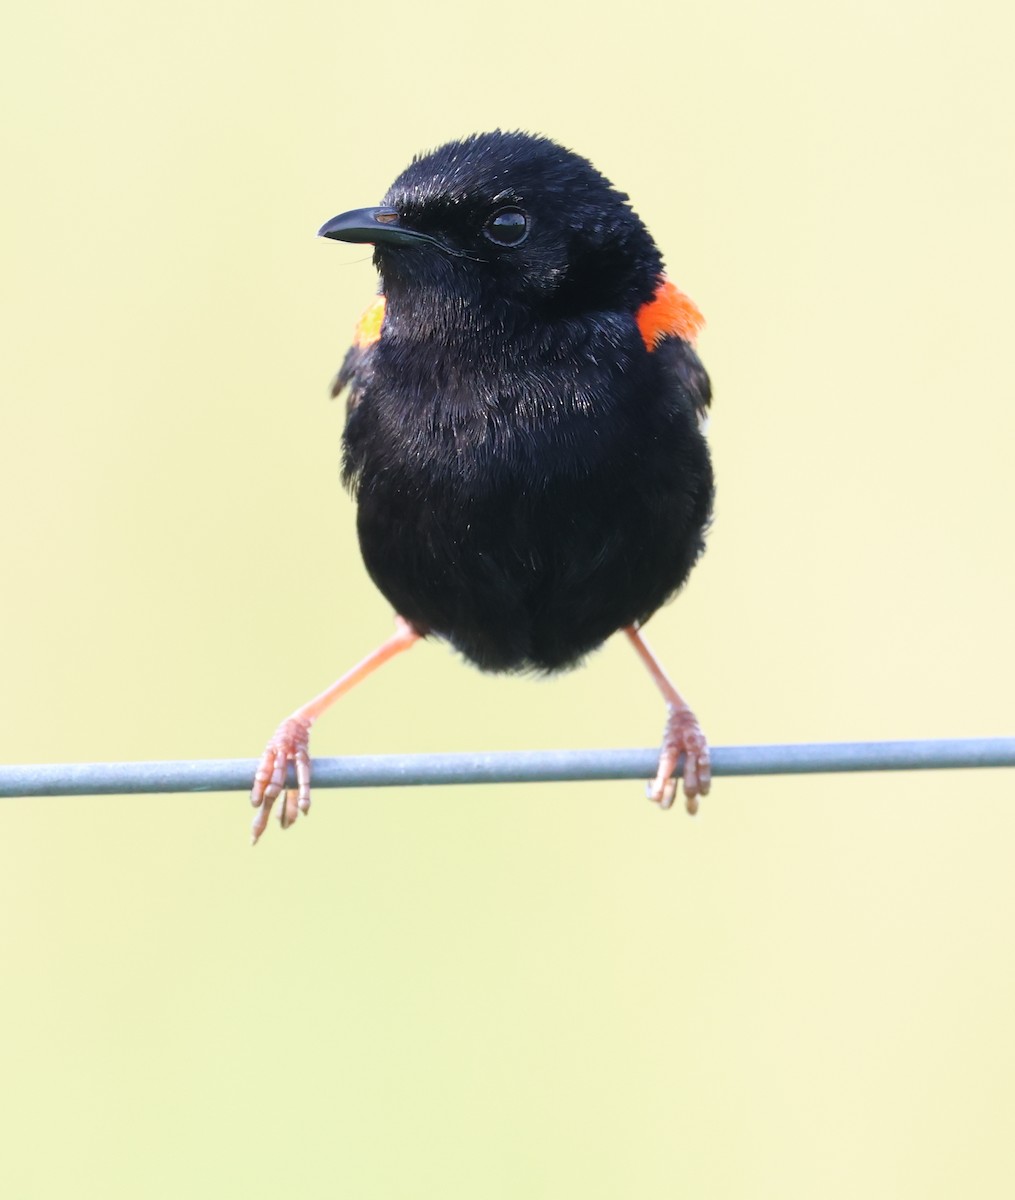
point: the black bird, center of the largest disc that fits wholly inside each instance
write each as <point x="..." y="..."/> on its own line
<point x="524" y="433"/>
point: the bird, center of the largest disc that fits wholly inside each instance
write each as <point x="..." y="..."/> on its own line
<point x="524" y="436"/>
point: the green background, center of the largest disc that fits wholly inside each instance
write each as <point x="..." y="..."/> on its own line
<point x="545" y="991"/>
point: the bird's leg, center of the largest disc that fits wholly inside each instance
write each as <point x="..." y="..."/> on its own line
<point x="290" y="742"/>
<point x="682" y="736"/>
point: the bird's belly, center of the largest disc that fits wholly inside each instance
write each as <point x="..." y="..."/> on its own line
<point x="519" y="574"/>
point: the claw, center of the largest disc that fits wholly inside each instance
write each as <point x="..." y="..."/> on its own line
<point x="289" y="743"/>
<point x="682" y="737"/>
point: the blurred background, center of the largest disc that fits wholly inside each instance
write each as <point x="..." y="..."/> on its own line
<point x="547" y="991"/>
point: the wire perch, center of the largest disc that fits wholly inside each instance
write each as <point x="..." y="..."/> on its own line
<point x="522" y="766"/>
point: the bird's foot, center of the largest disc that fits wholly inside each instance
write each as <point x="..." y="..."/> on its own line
<point x="682" y="736"/>
<point x="289" y="744"/>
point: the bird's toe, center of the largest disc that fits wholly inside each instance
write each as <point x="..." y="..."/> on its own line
<point x="289" y="743"/>
<point x="683" y="740"/>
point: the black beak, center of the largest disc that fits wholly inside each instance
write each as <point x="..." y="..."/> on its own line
<point x="374" y="225"/>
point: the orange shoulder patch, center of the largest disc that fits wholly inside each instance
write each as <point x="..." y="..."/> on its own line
<point x="669" y="313"/>
<point x="368" y="327"/>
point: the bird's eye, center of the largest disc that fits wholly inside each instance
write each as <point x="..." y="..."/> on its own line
<point x="507" y="227"/>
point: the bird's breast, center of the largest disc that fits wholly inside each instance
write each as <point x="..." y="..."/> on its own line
<point x="534" y="404"/>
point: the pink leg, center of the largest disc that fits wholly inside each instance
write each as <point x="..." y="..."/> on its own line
<point x="682" y="736"/>
<point x="290" y="742"/>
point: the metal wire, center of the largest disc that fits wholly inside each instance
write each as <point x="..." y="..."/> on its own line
<point x="525" y="766"/>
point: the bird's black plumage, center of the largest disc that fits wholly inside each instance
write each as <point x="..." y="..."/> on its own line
<point x="530" y="476"/>
<point x="523" y="430"/>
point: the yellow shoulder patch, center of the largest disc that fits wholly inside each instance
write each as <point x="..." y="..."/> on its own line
<point x="368" y="327"/>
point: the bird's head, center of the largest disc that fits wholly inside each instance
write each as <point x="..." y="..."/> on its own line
<point x="507" y="218"/>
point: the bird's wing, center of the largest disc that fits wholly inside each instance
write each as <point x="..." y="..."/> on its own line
<point x="351" y="373"/>
<point x="669" y="324"/>
<point x="682" y="362"/>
